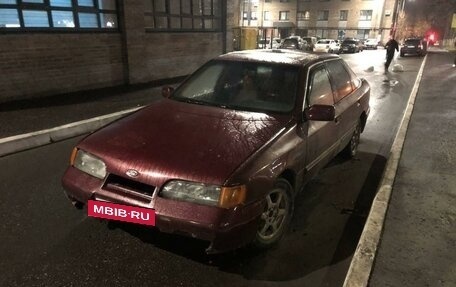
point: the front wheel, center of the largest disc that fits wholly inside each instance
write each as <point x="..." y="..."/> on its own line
<point x="351" y="149"/>
<point x="276" y="215"/>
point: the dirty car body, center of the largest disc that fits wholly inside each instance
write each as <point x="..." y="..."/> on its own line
<point x="220" y="161"/>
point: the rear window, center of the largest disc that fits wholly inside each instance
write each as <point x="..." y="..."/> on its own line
<point x="412" y="41"/>
<point x="349" y="42"/>
<point x="323" y="42"/>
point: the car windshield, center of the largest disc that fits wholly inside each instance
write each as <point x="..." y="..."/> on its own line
<point x="323" y="42"/>
<point x="349" y="42"/>
<point x="259" y="87"/>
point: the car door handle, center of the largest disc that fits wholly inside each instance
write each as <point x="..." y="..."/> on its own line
<point x="337" y="120"/>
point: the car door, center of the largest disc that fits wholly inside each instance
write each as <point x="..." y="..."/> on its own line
<point x="321" y="135"/>
<point x="346" y="99"/>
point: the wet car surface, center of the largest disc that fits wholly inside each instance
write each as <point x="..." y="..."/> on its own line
<point x="222" y="157"/>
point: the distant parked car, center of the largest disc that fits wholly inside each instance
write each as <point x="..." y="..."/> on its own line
<point x="266" y="43"/>
<point x="327" y="46"/>
<point x="414" y="46"/>
<point x="311" y="41"/>
<point x="293" y="43"/>
<point x="222" y="157"/>
<point x="371" y="44"/>
<point x="351" y="45"/>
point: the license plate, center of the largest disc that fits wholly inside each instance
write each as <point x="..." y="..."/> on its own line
<point x="345" y="49"/>
<point x="125" y="213"/>
<point x="410" y="46"/>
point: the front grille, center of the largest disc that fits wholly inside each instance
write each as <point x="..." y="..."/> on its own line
<point x="129" y="188"/>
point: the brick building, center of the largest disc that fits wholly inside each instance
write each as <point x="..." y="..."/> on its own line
<point x="50" y="47"/>
<point x="334" y="19"/>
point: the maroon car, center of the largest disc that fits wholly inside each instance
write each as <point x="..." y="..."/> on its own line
<point x="222" y="157"/>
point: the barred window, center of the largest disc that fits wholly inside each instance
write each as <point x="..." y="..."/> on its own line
<point x="58" y="14"/>
<point x="183" y="15"/>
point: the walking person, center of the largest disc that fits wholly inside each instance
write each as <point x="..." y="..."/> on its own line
<point x="390" y="46"/>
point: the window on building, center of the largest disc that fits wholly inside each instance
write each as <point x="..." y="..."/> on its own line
<point x="267" y="1"/>
<point x="284" y="15"/>
<point x="253" y="16"/>
<point x="184" y="15"/>
<point x="58" y="14"/>
<point x="365" y="15"/>
<point x="267" y="16"/>
<point x="284" y="1"/>
<point x="343" y="16"/>
<point x="323" y="15"/>
<point x="303" y="15"/>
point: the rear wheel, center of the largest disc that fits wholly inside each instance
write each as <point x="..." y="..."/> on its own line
<point x="351" y="149"/>
<point x="276" y="215"/>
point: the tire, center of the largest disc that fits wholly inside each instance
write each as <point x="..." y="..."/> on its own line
<point x="402" y="54"/>
<point x="351" y="149"/>
<point x="276" y="215"/>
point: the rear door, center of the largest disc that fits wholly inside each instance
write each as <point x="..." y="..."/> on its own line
<point x="346" y="98"/>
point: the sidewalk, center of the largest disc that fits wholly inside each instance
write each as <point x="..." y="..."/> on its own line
<point x="417" y="244"/>
<point x="30" y="123"/>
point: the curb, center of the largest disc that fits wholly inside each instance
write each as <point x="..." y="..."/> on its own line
<point x="23" y="142"/>
<point x="363" y="259"/>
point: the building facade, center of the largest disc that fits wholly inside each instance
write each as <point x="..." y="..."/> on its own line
<point x="336" y="19"/>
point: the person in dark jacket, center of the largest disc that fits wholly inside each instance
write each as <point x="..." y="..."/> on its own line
<point x="390" y="46"/>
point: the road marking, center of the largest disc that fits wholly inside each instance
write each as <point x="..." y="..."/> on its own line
<point x="361" y="265"/>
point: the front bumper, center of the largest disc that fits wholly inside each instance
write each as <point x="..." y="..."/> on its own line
<point x="225" y="229"/>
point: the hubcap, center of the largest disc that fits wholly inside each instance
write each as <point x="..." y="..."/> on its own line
<point x="274" y="214"/>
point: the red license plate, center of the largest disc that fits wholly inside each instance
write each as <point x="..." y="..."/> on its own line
<point x="113" y="211"/>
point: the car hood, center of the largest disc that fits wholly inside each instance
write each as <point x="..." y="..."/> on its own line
<point x="171" y="139"/>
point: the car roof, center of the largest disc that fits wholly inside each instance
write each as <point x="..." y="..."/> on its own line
<point x="277" y="56"/>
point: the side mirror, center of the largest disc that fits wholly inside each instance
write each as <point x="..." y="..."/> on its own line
<point x="167" y="91"/>
<point x="320" y="113"/>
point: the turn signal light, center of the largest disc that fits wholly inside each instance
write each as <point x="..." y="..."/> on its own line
<point x="232" y="196"/>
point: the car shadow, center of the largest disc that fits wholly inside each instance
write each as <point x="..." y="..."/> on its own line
<point x="329" y="217"/>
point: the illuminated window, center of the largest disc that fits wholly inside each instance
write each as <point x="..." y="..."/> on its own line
<point x="365" y="15"/>
<point x="58" y="14"/>
<point x="284" y="15"/>
<point x="303" y="15"/>
<point x="343" y="15"/>
<point x="184" y="15"/>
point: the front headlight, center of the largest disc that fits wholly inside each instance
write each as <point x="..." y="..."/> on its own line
<point x="201" y="193"/>
<point x="88" y="163"/>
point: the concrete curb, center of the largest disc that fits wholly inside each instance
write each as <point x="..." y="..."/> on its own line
<point x="23" y="142"/>
<point x="361" y="265"/>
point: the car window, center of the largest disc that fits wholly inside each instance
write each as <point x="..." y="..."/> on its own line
<point x="248" y="86"/>
<point x="341" y="80"/>
<point x="320" y="88"/>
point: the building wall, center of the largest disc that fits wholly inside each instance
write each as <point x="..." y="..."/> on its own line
<point x="40" y="64"/>
<point x="43" y="64"/>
